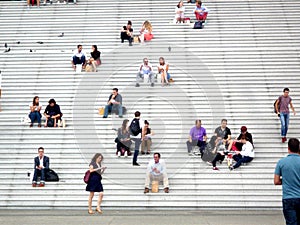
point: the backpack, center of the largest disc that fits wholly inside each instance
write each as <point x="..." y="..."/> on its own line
<point x="198" y="25"/>
<point x="277" y="100"/>
<point x="50" y="122"/>
<point x="134" y="127"/>
<point x="51" y="175"/>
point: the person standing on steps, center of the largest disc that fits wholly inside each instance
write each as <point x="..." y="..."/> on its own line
<point x="282" y="108"/>
<point x="135" y="130"/>
<point x="145" y="72"/>
<point x="287" y="174"/>
<point x="94" y="183"/>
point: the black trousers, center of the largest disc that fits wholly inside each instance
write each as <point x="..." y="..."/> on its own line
<point x="217" y="158"/>
<point x="124" y="36"/>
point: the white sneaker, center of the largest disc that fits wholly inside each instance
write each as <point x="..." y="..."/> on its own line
<point x="119" y="154"/>
<point x="126" y="154"/>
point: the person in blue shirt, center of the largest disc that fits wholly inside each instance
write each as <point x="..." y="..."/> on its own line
<point x="200" y="11"/>
<point x="146" y="72"/>
<point x="287" y="174"/>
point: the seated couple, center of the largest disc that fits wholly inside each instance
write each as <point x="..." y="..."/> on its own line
<point x="241" y="148"/>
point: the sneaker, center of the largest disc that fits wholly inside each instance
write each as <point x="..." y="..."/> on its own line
<point x="135" y="164"/>
<point x="119" y="154"/>
<point x="231" y="168"/>
<point x="166" y="190"/>
<point x="130" y="44"/>
<point x="146" y="190"/>
<point x="209" y="163"/>
<point x="41" y="185"/>
<point x="126" y="154"/>
<point x="283" y="140"/>
<point x="137" y="85"/>
<point x="31" y="125"/>
<point x="190" y="153"/>
<point x="34" y="185"/>
<point x="215" y="168"/>
<point x="152" y="85"/>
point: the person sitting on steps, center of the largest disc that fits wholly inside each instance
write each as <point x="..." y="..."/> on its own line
<point x="145" y="71"/>
<point x="53" y="115"/>
<point x="95" y="58"/>
<point x="200" y="11"/>
<point x="197" y="137"/>
<point x="127" y="33"/>
<point x="41" y="164"/>
<point x="163" y="69"/>
<point x="78" y="58"/>
<point x="146" y="138"/>
<point x="123" y="142"/>
<point x="35" y="111"/>
<point x="114" y="103"/>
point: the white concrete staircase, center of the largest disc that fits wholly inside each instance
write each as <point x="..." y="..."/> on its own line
<point x="234" y="68"/>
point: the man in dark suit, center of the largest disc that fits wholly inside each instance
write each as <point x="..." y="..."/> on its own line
<point x="41" y="164"/>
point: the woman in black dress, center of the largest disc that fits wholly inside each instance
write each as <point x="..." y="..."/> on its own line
<point x="94" y="184"/>
<point x="95" y="58"/>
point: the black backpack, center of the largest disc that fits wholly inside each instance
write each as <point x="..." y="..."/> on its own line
<point x="51" y="175"/>
<point x="277" y="100"/>
<point x="50" y="122"/>
<point x="134" y="127"/>
<point x="198" y="25"/>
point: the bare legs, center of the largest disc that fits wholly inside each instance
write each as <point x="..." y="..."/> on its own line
<point x="98" y="209"/>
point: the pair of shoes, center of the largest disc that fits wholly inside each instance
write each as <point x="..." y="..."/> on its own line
<point x="215" y="168"/>
<point x="91" y="211"/>
<point x="31" y="125"/>
<point x="152" y="85"/>
<point x="33" y="184"/>
<point x="99" y="210"/>
<point x="166" y="190"/>
<point x="135" y="164"/>
<point x="41" y="185"/>
<point x="137" y="85"/>
<point x="146" y="190"/>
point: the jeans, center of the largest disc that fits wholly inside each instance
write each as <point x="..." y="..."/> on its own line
<point x="113" y="108"/>
<point x="291" y="211"/>
<point x="217" y="158"/>
<point x="39" y="172"/>
<point x="35" y="116"/>
<point x="141" y="75"/>
<point x="137" y="143"/>
<point x="200" y="144"/>
<point x="285" y="120"/>
<point x="77" y="60"/>
<point x="241" y="159"/>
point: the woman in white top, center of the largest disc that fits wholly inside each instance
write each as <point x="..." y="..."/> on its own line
<point x="146" y="32"/>
<point x="163" y="69"/>
<point x="35" y="111"/>
<point x="179" y="12"/>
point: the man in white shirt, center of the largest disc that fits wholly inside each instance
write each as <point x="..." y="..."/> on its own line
<point x="145" y="72"/>
<point x="78" y="58"/>
<point x="244" y="156"/>
<point x="41" y="163"/>
<point x="156" y="170"/>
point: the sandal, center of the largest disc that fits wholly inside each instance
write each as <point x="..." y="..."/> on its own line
<point x="99" y="210"/>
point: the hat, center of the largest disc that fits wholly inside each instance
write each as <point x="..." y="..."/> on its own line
<point x="243" y="129"/>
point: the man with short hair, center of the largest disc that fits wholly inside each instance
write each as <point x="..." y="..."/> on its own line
<point x="156" y="170"/>
<point x="135" y="129"/>
<point x="197" y="137"/>
<point x="237" y="144"/>
<point x="78" y="58"/>
<point x="114" y="103"/>
<point x="287" y="174"/>
<point x="246" y="155"/>
<point x="223" y="134"/>
<point x="41" y="163"/>
<point x="200" y="11"/>
<point x="145" y="71"/>
<point x="52" y="112"/>
<point x="282" y="109"/>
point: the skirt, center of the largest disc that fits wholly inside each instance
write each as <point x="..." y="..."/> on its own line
<point x="94" y="184"/>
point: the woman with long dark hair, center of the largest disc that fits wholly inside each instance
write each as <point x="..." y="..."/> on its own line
<point x="95" y="58"/>
<point x="124" y="142"/>
<point x="94" y="183"/>
<point x="146" y="138"/>
<point x="35" y="111"/>
<point x="163" y="69"/>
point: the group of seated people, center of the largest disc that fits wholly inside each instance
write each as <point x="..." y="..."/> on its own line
<point x="80" y="62"/>
<point x="241" y="149"/>
<point x="145" y="33"/>
<point x="200" y="12"/>
<point x="52" y="113"/>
